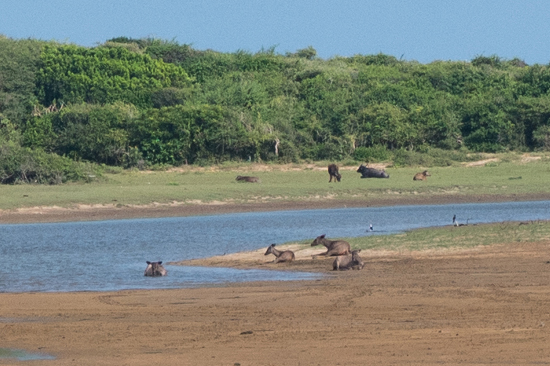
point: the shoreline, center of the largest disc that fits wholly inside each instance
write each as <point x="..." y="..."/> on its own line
<point x="29" y="215"/>
<point x="483" y="305"/>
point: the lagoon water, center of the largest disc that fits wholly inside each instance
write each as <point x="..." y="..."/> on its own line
<point x="111" y="255"/>
<point x="22" y="355"/>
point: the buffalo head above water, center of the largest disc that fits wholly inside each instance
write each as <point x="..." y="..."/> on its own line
<point x="155" y="269"/>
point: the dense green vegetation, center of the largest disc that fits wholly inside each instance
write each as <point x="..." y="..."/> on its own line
<point x="139" y="102"/>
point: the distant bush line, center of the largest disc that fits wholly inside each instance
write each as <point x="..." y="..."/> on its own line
<point x="142" y="102"/>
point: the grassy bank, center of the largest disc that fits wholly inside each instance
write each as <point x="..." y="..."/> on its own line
<point x="463" y="237"/>
<point x="505" y="176"/>
<point x="447" y="238"/>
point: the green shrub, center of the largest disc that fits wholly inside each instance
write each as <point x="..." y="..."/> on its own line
<point x="23" y="165"/>
<point x="430" y="157"/>
<point x="411" y="158"/>
<point x="103" y="75"/>
<point x="371" y="154"/>
<point x="446" y="157"/>
<point x="288" y="152"/>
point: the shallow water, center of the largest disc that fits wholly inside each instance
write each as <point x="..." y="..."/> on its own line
<point x="22" y="355"/>
<point x="111" y="255"/>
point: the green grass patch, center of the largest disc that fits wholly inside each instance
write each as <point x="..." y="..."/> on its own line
<point x="294" y="183"/>
<point x="450" y="237"/>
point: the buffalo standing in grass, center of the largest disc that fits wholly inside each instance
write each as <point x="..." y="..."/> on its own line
<point x="333" y="172"/>
<point x="155" y="269"/>
<point x="371" y="172"/>
<point x="348" y="261"/>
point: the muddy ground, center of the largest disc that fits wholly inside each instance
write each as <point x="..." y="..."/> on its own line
<point x="483" y="306"/>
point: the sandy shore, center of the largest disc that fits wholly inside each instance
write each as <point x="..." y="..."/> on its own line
<point x="483" y="306"/>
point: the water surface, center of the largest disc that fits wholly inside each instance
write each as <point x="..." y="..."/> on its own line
<point x="111" y="255"/>
<point x="22" y="355"/>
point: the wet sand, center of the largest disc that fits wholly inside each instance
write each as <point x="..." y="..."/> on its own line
<point x="481" y="306"/>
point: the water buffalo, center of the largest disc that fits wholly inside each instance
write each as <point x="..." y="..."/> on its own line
<point x="371" y="172"/>
<point x="248" y="179"/>
<point x="281" y="256"/>
<point x="348" y="261"/>
<point x="422" y="176"/>
<point x="333" y="172"/>
<point x="334" y="247"/>
<point x="155" y="269"/>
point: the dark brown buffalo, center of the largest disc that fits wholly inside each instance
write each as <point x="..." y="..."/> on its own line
<point x="155" y="269"/>
<point x="334" y="247"/>
<point x="348" y="261"/>
<point x="371" y="172"/>
<point x="248" y="179"/>
<point x="281" y="256"/>
<point x="422" y="176"/>
<point x="333" y="172"/>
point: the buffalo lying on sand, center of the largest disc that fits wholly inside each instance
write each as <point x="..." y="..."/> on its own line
<point x="334" y="247"/>
<point x="422" y="176"/>
<point x="155" y="269"/>
<point x="281" y="256"/>
<point x="333" y="172"/>
<point x="348" y="261"/>
<point x="371" y="172"/>
<point x="248" y="179"/>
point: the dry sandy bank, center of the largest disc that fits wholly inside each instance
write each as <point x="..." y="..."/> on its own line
<point x="483" y="306"/>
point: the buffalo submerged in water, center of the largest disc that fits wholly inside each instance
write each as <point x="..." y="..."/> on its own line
<point x="155" y="269"/>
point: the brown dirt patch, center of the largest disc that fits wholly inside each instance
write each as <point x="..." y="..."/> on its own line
<point x="527" y="158"/>
<point x="484" y="306"/>
<point x="482" y="162"/>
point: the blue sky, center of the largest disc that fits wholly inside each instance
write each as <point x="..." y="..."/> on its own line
<point x="421" y="30"/>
